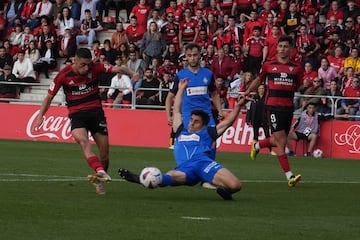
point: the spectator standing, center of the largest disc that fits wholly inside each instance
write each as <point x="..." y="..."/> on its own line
<point x="270" y="43"/>
<point x="152" y="44"/>
<point x="253" y="51"/>
<point x="189" y="30"/>
<point x="141" y="11"/>
<point x="56" y="9"/>
<point x="257" y="115"/>
<point x="291" y="21"/>
<point x="136" y="65"/>
<point x="89" y="27"/>
<point x="307" y="46"/>
<point x="12" y="11"/>
<point x="336" y="12"/>
<point x="155" y="17"/>
<point x="223" y="65"/>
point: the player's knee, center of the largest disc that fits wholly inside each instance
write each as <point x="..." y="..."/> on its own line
<point x="235" y="185"/>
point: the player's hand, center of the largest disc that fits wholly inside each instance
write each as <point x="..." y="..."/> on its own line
<point x="37" y="124"/>
<point x="183" y="83"/>
<point x="170" y="121"/>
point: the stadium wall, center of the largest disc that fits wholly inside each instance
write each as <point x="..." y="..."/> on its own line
<point x="148" y="128"/>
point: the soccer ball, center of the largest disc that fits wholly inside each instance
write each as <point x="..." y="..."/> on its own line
<point x="150" y="177"/>
<point x="318" y="153"/>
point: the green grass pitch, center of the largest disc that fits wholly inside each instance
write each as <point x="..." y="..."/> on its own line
<point x="44" y="195"/>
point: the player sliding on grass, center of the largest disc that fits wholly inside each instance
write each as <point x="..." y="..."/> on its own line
<point x="192" y="151"/>
<point x="282" y="79"/>
<point x="80" y="85"/>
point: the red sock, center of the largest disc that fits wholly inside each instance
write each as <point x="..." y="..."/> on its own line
<point x="95" y="163"/>
<point x="265" y="143"/>
<point x="284" y="162"/>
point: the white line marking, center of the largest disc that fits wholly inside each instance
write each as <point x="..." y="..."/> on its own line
<point x="26" y="177"/>
<point x="196" y="218"/>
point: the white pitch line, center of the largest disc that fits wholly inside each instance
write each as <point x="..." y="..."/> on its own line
<point x="26" y="177"/>
<point x="196" y="218"/>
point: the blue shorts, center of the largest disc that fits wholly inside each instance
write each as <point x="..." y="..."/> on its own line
<point x="200" y="170"/>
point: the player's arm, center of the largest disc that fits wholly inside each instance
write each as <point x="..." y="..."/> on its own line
<point x="43" y="109"/>
<point x="177" y="116"/>
<point x="265" y="53"/>
<point x="127" y="71"/>
<point x="217" y="102"/>
<point x="230" y="119"/>
<point x="253" y="85"/>
<point x="168" y="104"/>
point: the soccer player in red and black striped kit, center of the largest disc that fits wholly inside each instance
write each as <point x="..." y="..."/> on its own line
<point x="283" y="78"/>
<point x="80" y="84"/>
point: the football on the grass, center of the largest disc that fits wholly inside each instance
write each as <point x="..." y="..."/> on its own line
<point x="150" y="177"/>
<point x="318" y="153"/>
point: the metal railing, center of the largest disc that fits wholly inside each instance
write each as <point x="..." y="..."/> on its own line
<point x="42" y="86"/>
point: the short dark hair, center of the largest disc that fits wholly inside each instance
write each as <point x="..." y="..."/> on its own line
<point x="87" y="10"/>
<point x="191" y="46"/>
<point x="84" y="53"/>
<point x="203" y="115"/>
<point x="285" y="38"/>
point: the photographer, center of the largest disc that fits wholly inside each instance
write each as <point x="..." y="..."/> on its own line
<point x="307" y="46"/>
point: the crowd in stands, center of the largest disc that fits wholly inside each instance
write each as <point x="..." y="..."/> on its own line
<point x="236" y="37"/>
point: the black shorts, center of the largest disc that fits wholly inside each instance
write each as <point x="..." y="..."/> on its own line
<point x="280" y="120"/>
<point x="302" y="136"/>
<point x="92" y="120"/>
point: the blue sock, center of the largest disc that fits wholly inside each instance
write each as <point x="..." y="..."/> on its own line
<point x="166" y="180"/>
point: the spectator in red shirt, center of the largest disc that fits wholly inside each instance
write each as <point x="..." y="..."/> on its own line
<point x="134" y="32"/>
<point x="250" y="24"/>
<point x="337" y="60"/>
<point x="243" y="6"/>
<point x="335" y="11"/>
<point x="141" y="11"/>
<point x="253" y="51"/>
<point x="188" y="28"/>
<point x="175" y="9"/>
<point x="270" y="44"/>
<point x="307" y="46"/>
<point x="223" y="65"/>
<point x="350" y="106"/>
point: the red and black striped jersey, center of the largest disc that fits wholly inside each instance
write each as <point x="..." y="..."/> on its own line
<point x="282" y="80"/>
<point x="81" y="92"/>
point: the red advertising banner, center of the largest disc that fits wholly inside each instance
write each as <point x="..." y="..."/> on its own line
<point x="148" y="128"/>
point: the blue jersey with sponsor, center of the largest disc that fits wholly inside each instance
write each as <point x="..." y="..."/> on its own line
<point x="194" y="146"/>
<point x="196" y="95"/>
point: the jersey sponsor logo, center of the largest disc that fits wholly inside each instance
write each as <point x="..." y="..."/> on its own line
<point x="189" y="138"/>
<point x="205" y="80"/>
<point x="193" y="91"/>
<point x="82" y="87"/>
<point x="284" y="79"/>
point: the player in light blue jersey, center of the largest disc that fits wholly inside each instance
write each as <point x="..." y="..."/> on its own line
<point x="193" y="151"/>
<point x="200" y="91"/>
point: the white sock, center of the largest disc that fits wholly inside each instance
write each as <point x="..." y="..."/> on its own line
<point x="101" y="171"/>
<point x="288" y="175"/>
<point x="257" y="146"/>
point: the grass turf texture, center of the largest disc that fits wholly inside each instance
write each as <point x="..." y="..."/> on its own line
<point x="44" y="195"/>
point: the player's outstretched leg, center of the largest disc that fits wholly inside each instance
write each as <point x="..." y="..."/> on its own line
<point x="129" y="176"/>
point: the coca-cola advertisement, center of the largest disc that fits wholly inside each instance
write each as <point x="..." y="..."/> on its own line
<point x="338" y="139"/>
